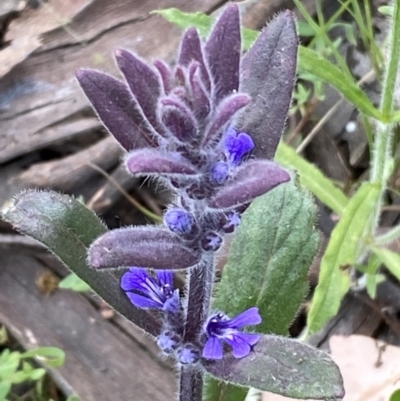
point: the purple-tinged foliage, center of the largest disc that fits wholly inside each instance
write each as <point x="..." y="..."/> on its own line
<point x="179" y="119"/>
<point x="148" y="247"/>
<point x="144" y="83"/>
<point x="220" y="328"/>
<point x="155" y="162"/>
<point x="153" y="292"/>
<point x="191" y="51"/>
<point x="223" y="54"/>
<point x="225" y="111"/>
<point x="200" y="100"/>
<point x="165" y="75"/>
<point x="117" y="109"/>
<point x="268" y="74"/>
<point x="252" y="179"/>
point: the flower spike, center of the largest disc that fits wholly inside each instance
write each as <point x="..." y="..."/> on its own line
<point x="220" y="328"/>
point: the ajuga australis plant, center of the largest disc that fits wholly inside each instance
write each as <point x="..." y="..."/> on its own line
<point x="207" y="128"/>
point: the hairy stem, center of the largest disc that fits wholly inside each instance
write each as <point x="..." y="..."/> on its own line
<point x="381" y="162"/>
<point x="393" y="57"/>
<point x="388" y="237"/>
<point x="198" y="305"/>
<point x="190" y="384"/>
<point x="199" y="295"/>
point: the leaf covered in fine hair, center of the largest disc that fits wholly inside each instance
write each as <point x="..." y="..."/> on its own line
<point x="282" y="366"/>
<point x="268" y="75"/>
<point x="146" y="247"/>
<point x="67" y="228"/>
<point x="252" y="179"/>
<point x="117" y="109"/>
<point x="223" y="53"/>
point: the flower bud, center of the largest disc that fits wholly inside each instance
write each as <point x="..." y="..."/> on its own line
<point x="211" y="242"/>
<point x="232" y="221"/>
<point x="168" y="342"/>
<point x="220" y="173"/>
<point x="179" y="221"/>
<point x="188" y="354"/>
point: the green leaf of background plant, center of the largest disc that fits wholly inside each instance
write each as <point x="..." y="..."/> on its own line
<point x="201" y="21"/>
<point x="311" y="62"/>
<point x="74" y="283"/>
<point x="312" y="178"/>
<point x="73" y="398"/>
<point x="342" y="252"/>
<point x="67" y="227"/>
<point x="9" y="362"/>
<point x="389" y="258"/>
<point x="52" y="356"/>
<point x="4" y="390"/>
<point x="395" y="396"/>
<point x="267" y="266"/>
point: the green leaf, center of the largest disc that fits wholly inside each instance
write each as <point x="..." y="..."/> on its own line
<point x="49" y="355"/>
<point x="203" y="23"/>
<point x="389" y="258"/>
<point x="311" y="62"/>
<point x="395" y="396"/>
<point x="386" y="10"/>
<point x="342" y="252"/>
<point x="74" y="283"/>
<point x="67" y="227"/>
<point x="37" y="374"/>
<point x="396" y="117"/>
<point x="199" y="20"/>
<point x="4" y="390"/>
<point x="19" y="377"/>
<point x="282" y="366"/>
<point x="73" y="398"/>
<point x="372" y="278"/>
<point x="9" y="363"/>
<point x="312" y="178"/>
<point x="268" y="264"/>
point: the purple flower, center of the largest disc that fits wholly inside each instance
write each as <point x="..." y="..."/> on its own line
<point x="179" y="221"/>
<point x="146" y="291"/>
<point x="237" y="145"/>
<point x="220" y="328"/>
